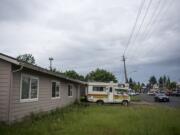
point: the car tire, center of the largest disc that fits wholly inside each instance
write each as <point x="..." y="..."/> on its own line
<point x="100" y="102"/>
<point x="125" y="103"/>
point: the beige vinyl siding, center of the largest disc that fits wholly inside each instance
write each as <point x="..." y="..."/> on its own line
<point x="5" y="73"/>
<point x="45" y="101"/>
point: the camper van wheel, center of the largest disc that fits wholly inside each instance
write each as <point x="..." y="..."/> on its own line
<point x="100" y="102"/>
<point x="125" y="103"/>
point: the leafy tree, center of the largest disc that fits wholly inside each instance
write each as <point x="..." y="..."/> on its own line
<point x="101" y="75"/>
<point x="164" y="80"/>
<point x="152" y="80"/>
<point x="173" y="85"/>
<point x="160" y="82"/>
<point x="142" y="84"/>
<point x="131" y="83"/>
<point x="168" y="82"/>
<point x="29" y="58"/>
<point x="74" y="75"/>
<point x="136" y="86"/>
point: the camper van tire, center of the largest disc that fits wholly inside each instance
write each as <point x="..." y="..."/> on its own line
<point x="100" y="102"/>
<point x="125" y="103"/>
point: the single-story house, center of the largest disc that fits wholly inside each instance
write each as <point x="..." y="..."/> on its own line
<point x="26" y="88"/>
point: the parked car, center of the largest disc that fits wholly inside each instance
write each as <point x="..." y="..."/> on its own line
<point x="161" y="97"/>
<point x="176" y="93"/>
<point x="151" y="93"/>
<point x="168" y="93"/>
<point x="131" y="93"/>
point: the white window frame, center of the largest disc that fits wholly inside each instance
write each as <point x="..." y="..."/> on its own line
<point x="29" y="99"/>
<point x="71" y="90"/>
<point x="59" y="90"/>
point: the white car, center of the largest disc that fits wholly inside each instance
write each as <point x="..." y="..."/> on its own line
<point x="151" y="93"/>
<point x="132" y="93"/>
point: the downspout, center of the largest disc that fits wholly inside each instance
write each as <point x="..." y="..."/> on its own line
<point x="17" y="70"/>
<point x="10" y="91"/>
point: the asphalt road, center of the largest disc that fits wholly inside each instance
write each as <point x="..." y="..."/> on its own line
<point x="174" y="101"/>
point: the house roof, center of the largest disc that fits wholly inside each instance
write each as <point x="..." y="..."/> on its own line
<point x="38" y="68"/>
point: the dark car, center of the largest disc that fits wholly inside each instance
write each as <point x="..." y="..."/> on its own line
<point x="168" y="93"/>
<point x="161" y="97"/>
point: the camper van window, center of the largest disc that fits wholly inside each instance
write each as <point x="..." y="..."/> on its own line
<point x="119" y="91"/>
<point x="96" y="88"/>
<point x="110" y="90"/>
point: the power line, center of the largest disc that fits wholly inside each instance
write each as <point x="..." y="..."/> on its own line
<point x="154" y="21"/>
<point x="144" y="17"/>
<point x="154" y="15"/>
<point x="165" y="10"/>
<point x="134" y="27"/>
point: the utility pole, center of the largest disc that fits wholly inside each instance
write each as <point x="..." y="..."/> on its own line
<point x="50" y="60"/>
<point x="125" y="72"/>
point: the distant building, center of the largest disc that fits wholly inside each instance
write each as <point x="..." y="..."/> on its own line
<point x="178" y="85"/>
<point x="154" y="88"/>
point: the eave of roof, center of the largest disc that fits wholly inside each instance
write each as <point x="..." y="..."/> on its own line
<point x="37" y="68"/>
<point x="9" y="59"/>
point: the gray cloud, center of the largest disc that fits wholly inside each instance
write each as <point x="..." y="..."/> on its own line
<point x="84" y="35"/>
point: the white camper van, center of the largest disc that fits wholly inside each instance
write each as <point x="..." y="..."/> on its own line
<point x="107" y="93"/>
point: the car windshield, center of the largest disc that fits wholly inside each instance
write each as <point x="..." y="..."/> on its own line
<point x="160" y="94"/>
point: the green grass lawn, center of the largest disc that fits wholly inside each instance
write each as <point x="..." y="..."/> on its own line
<point x="135" y="99"/>
<point x="100" y="120"/>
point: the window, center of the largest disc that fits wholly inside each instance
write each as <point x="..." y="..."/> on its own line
<point x="110" y="89"/>
<point x="120" y="91"/>
<point x="96" y="88"/>
<point x="55" y="89"/>
<point x="70" y="90"/>
<point x="29" y="88"/>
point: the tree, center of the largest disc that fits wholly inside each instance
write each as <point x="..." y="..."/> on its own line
<point x="152" y="80"/>
<point x="131" y="83"/>
<point x="164" y="80"/>
<point x="160" y="82"/>
<point x="74" y="75"/>
<point x="142" y="84"/>
<point x="29" y="58"/>
<point x="168" y="82"/>
<point x="101" y="75"/>
<point x="173" y="85"/>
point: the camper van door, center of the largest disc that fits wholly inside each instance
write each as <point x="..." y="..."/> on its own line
<point x="110" y="95"/>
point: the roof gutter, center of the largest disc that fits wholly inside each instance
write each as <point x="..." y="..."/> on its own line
<point x="9" y="59"/>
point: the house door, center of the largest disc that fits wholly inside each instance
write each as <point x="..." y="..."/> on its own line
<point x="110" y="95"/>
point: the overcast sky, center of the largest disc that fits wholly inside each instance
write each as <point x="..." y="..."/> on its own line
<point x="87" y="34"/>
